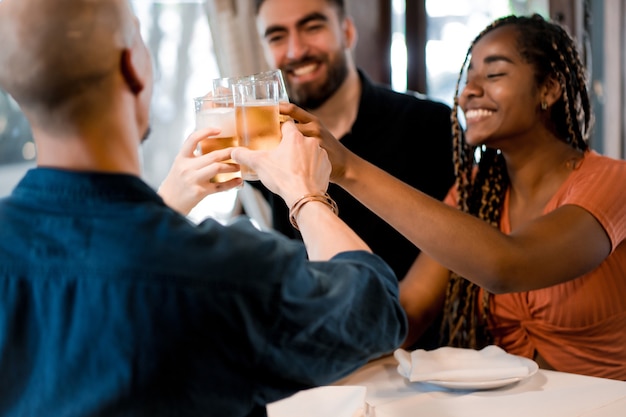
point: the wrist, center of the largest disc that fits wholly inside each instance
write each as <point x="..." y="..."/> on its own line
<point x="323" y="198"/>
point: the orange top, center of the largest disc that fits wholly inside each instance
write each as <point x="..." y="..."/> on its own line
<point x="578" y="326"/>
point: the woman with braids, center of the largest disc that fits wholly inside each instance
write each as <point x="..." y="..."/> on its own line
<point x="529" y="253"/>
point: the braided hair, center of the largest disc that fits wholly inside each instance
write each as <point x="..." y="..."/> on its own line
<point x="481" y="175"/>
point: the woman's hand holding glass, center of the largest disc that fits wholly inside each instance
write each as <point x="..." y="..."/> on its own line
<point x="310" y="126"/>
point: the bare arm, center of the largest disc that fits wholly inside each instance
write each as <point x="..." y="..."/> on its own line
<point x="551" y="249"/>
<point x="554" y="248"/>
<point x="422" y="295"/>
<point x="298" y="166"/>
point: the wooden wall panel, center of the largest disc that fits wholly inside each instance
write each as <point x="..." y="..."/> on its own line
<point x="373" y="22"/>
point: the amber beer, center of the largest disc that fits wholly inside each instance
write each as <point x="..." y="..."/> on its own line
<point x="260" y="125"/>
<point x="222" y="118"/>
<point x="257" y="114"/>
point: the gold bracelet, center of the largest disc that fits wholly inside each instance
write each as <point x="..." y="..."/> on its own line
<point x="307" y="198"/>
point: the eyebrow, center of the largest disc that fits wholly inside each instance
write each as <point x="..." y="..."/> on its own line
<point x="490" y="59"/>
<point x="300" y="23"/>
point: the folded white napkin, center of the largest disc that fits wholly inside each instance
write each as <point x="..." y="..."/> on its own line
<point x="456" y="364"/>
<point x="336" y="401"/>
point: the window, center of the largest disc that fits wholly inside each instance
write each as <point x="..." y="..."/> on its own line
<point x="178" y="36"/>
<point x="451" y="26"/>
<point x="17" y="149"/>
<point x="177" y="33"/>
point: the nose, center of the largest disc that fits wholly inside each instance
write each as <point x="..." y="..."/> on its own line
<point x="297" y="47"/>
<point x="472" y="89"/>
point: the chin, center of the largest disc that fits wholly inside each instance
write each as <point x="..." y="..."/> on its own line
<point x="475" y="138"/>
<point x="472" y="140"/>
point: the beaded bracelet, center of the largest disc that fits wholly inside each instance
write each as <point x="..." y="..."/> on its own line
<point x="307" y="198"/>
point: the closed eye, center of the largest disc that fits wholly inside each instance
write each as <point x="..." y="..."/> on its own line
<point x="496" y="75"/>
<point x="314" y="27"/>
<point x="275" y="38"/>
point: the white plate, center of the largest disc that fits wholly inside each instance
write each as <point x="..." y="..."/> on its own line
<point x="482" y="385"/>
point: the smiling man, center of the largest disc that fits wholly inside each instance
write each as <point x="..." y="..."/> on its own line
<point x="408" y="136"/>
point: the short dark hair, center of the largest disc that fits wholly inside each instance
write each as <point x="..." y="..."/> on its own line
<point x="338" y="3"/>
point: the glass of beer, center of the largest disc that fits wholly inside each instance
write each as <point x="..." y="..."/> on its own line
<point x="256" y="109"/>
<point x="277" y="76"/>
<point x="217" y="110"/>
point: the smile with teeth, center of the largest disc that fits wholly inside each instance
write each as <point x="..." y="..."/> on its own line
<point x="477" y="114"/>
<point x="307" y="69"/>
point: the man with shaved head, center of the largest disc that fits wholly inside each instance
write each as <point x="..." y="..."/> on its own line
<point x="112" y="303"/>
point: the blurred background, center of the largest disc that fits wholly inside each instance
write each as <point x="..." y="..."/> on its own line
<point x="416" y="45"/>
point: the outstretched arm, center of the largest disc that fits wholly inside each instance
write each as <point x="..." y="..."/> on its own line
<point x="551" y="249"/>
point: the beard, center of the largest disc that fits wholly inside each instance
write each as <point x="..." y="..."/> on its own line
<point x="312" y="95"/>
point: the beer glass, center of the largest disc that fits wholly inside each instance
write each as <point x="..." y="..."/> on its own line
<point x="220" y="84"/>
<point x="217" y="110"/>
<point x="257" y="115"/>
<point x="275" y="75"/>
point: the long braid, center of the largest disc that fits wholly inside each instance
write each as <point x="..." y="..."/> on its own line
<point x="481" y="175"/>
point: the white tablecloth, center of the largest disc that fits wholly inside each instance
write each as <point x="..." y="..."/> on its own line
<point x="545" y="394"/>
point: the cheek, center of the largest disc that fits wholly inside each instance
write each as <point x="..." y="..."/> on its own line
<point x="329" y="43"/>
<point x="461" y="100"/>
<point x="274" y="55"/>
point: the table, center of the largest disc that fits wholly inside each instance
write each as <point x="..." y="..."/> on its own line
<point x="545" y="394"/>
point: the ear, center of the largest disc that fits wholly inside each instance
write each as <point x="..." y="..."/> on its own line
<point x="349" y="32"/>
<point x="129" y="72"/>
<point x="551" y="90"/>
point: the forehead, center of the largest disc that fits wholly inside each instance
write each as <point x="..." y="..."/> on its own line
<point x="290" y="12"/>
<point x="502" y="41"/>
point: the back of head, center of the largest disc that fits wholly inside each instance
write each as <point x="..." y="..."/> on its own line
<point x="54" y="53"/>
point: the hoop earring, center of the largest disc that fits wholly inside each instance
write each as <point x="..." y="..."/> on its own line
<point x="544" y="105"/>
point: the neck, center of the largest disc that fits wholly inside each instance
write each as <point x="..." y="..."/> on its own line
<point x="542" y="168"/>
<point x="99" y="147"/>
<point x="91" y="135"/>
<point x="339" y="112"/>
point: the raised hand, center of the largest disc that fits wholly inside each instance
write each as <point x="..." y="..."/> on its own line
<point x="190" y="178"/>
<point x="309" y="125"/>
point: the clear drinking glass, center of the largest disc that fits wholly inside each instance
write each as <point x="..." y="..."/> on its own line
<point x="217" y="109"/>
<point x="276" y="75"/>
<point x="257" y="116"/>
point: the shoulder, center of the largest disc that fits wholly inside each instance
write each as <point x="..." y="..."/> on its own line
<point x="595" y="186"/>
<point x="411" y="100"/>
<point x="597" y="170"/>
<point x="382" y="97"/>
<point x="594" y="161"/>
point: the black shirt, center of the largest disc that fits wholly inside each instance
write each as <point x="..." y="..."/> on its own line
<point x="408" y="136"/>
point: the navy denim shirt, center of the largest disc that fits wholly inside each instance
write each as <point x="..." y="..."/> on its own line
<point x="112" y="304"/>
